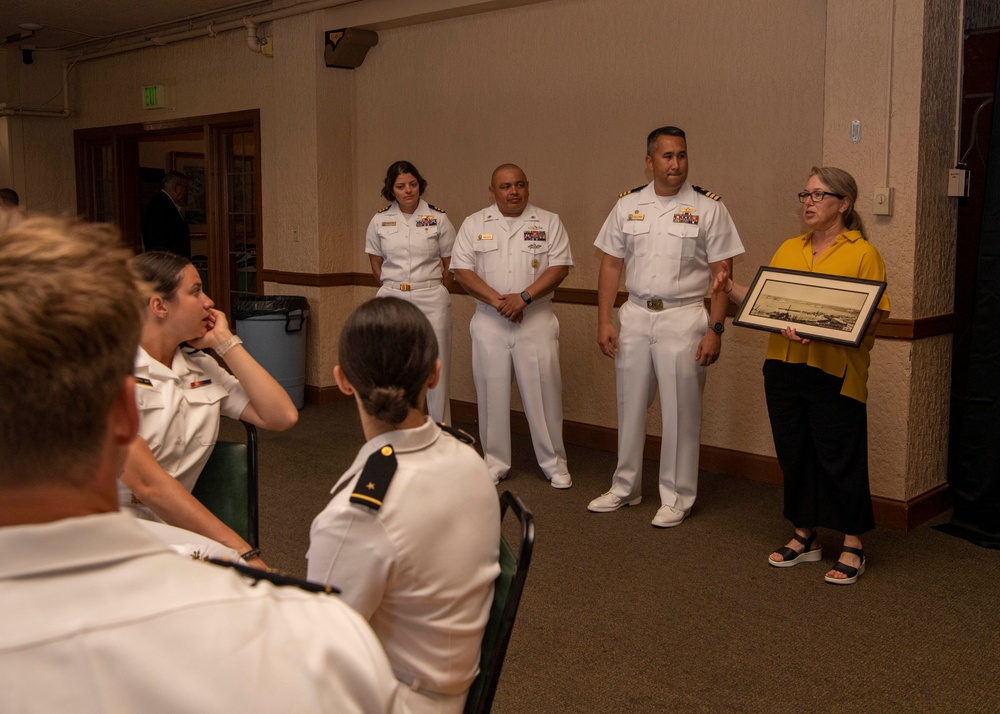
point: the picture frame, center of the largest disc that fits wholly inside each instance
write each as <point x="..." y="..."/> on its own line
<point x="819" y="306"/>
<point x="193" y="166"/>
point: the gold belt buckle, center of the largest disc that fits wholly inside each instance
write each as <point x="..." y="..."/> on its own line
<point x="656" y="304"/>
<point x="405" y="287"/>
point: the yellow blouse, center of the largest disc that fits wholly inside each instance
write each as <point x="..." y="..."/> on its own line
<point x="850" y="256"/>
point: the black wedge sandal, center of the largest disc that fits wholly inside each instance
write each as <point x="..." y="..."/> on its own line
<point x="852" y="573"/>
<point x="791" y="557"/>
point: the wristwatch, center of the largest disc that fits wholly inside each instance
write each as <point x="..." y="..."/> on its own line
<point x="718" y="327"/>
<point x="525" y="296"/>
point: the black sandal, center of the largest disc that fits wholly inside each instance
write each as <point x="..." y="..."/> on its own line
<point x="852" y="573"/>
<point x="791" y="557"/>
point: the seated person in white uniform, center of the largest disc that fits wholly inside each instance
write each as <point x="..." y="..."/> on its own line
<point x="181" y="392"/>
<point x="412" y="534"/>
<point x="99" y="616"/>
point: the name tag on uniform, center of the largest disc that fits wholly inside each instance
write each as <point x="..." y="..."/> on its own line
<point x="535" y="235"/>
<point x="423" y="221"/>
<point x="388" y="223"/>
<point x="635" y="216"/>
<point x="202" y="383"/>
<point x="485" y="236"/>
<point x="143" y="381"/>
<point x="687" y="215"/>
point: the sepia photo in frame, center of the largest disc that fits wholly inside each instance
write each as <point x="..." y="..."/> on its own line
<point x="821" y="307"/>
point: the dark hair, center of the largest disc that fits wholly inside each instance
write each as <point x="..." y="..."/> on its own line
<point x="9" y="197"/>
<point x="162" y="270"/>
<point x="397" y="169"/>
<point x="842" y="183"/>
<point x="662" y="131"/>
<point x="387" y="351"/>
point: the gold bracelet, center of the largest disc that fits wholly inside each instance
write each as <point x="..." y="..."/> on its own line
<point x="228" y="345"/>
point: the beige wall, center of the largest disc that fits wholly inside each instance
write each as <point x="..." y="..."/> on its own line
<point x="569" y="89"/>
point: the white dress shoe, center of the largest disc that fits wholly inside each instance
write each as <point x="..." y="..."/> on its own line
<point x="607" y="502"/>
<point x="668" y="517"/>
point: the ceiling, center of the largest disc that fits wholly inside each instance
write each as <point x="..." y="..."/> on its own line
<point x="71" y="24"/>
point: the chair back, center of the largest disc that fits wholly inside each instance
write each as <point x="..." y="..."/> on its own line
<point x="506" y="598"/>
<point x="227" y="485"/>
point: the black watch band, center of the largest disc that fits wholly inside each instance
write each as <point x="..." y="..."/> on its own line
<point x="525" y="296"/>
<point x="718" y="327"/>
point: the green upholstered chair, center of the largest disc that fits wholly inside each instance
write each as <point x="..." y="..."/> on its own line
<point x="506" y="598"/>
<point x="228" y="485"/>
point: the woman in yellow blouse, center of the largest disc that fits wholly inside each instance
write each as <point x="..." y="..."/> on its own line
<point x="816" y="391"/>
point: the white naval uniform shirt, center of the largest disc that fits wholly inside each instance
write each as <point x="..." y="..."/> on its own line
<point x="667" y="246"/>
<point x="411" y="246"/>
<point x="421" y="568"/>
<point x="179" y="410"/>
<point x="101" y="617"/>
<point x="509" y="254"/>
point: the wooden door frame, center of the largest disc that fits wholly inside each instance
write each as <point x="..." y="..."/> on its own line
<point x="124" y="140"/>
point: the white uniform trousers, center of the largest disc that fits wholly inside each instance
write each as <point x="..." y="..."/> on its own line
<point x="660" y="347"/>
<point x="435" y="303"/>
<point x="532" y="347"/>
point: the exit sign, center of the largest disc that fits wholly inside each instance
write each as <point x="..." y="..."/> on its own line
<point x="154" y="96"/>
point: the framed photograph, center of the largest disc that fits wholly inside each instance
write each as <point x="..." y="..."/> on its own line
<point x="818" y="306"/>
<point x="193" y="166"/>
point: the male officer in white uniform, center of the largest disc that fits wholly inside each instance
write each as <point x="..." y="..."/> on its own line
<point x="672" y="238"/>
<point x="98" y="615"/>
<point x="510" y="257"/>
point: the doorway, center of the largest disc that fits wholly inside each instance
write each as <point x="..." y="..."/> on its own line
<point x="119" y="169"/>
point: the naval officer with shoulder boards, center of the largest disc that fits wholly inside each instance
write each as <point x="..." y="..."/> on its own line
<point x="412" y="533"/>
<point x="671" y="238"/>
<point x="409" y="245"/>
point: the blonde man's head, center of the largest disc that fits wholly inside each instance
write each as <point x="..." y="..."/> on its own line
<point x="70" y="319"/>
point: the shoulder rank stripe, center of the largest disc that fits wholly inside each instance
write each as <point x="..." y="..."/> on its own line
<point x="275" y="578"/>
<point x="439" y="210"/>
<point x="706" y="192"/>
<point x="383" y="210"/>
<point x="463" y="436"/>
<point x="632" y="190"/>
<point x="375" y="478"/>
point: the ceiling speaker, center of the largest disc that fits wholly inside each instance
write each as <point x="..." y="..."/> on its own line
<point x="346" y="48"/>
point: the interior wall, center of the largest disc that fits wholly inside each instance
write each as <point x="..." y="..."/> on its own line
<point x="461" y="96"/>
<point x="916" y="41"/>
<point x="569" y="89"/>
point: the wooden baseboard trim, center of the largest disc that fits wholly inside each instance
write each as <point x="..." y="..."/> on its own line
<point x="324" y="395"/>
<point x="889" y="513"/>
<point x="906" y="515"/>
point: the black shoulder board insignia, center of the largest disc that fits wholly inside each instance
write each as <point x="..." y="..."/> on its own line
<point x="439" y="210"/>
<point x="632" y="190"/>
<point x="275" y="578"/>
<point x="463" y="436"/>
<point x="706" y="192"/>
<point x="383" y="210"/>
<point x="375" y="478"/>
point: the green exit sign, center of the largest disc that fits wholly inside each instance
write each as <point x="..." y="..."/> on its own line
<point x="154" y="96"/>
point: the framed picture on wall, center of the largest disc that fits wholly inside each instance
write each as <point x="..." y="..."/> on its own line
<point x="193" y="166"/>
<point x="820" y="307"/>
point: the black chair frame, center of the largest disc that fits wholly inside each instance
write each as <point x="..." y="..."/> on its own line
<point x="506" y="599"/>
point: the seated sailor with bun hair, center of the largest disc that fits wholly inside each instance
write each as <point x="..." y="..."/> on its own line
<point x="412" y="533"/>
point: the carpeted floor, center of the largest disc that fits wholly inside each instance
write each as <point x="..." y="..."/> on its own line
<point x="618" y="616"/>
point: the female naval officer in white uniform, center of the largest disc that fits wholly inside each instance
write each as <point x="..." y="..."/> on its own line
<point x="412" y="533"/>
<point x="181" y="392"/>
<point x="409" y="245"/>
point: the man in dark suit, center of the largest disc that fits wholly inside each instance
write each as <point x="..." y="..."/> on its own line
<point x="163" y="224"/>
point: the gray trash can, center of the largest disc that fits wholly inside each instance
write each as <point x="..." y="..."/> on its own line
<point x="273" y="330"/>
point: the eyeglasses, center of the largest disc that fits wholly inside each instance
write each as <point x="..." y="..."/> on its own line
<point x="816" y="196"/>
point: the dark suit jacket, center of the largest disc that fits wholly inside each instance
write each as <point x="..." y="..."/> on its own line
<point x="163" y="228"/>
